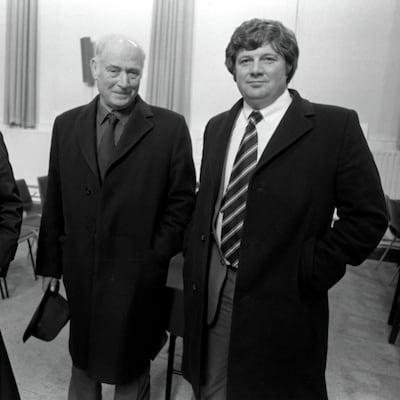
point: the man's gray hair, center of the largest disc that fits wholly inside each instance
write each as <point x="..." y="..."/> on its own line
<point x="104" y="40"/>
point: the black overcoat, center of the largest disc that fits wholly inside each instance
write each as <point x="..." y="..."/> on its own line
<point x="291" y="254"/>
<point x="111" y="241"/>
<point x="10" y="211"/>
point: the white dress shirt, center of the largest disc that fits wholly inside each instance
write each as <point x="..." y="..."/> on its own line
<point x="272" y="116"/>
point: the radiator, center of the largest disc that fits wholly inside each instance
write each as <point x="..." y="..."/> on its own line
<point x="388" y="163"/>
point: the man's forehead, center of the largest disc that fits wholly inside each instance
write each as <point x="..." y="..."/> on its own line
<point x="265" y="48"/>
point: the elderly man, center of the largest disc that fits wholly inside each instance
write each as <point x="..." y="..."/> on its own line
<point x="120" y="192"/>
<point x="262" y="251"/>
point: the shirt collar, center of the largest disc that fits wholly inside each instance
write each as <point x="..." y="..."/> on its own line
<point x="282" y="102"/>
<point x="123" y="115"/>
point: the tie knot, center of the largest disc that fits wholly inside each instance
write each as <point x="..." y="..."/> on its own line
<point x="255" y="117"/>
<point x="112" y="119"/>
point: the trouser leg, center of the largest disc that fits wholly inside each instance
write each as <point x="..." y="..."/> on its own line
<point x="216" y="365"/>
<point x="137" y="389"/>
<point x="82" y="387"/>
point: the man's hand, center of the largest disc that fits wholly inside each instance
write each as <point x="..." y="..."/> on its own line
<point x="49" y="281"/>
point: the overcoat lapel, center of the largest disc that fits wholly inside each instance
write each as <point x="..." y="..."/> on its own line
<point x="222" y="137"/>
<point x="138" y="125"/>
<point x="294" y="124"/>
<point x="85" y="126"/>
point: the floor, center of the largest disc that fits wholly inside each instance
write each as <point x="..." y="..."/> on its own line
<point x="361" y="363"/>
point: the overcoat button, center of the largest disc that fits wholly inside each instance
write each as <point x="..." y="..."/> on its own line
<point x="203" y="238"/>
<point x="194" y="287"/>
<point x="88" y="191"/>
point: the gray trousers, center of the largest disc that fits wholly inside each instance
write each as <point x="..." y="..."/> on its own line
<point x="83" y="387"/>
<point x="217" y="349"/>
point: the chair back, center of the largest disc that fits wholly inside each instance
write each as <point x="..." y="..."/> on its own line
<point x="393" y="208"/>
<point x="42" y="183"/>
<point x="24" y="194"/>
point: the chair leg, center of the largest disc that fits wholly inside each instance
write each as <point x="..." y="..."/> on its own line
<point x="32" y="258"/>
<point x="396" y="273"/>
<point x="395" y="301"/>
<point x="396" y="324"/>
<point x="170" y="365"/>
<point x="1" y="288"/>
<point x="384" y="253"/>
<point x="6" y="287"/>
<point x="4" y="293"/>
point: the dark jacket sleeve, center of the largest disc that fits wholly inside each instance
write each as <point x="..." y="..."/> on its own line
<point x="180" y="199"/>
<point x="361" y="211"/>
<point x="10" y="209"/>
<point x="52" y="224"/>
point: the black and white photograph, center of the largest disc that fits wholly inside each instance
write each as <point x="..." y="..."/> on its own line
<point x="199" y="200"/>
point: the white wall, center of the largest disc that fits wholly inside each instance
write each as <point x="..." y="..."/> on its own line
<point x="349" y="55"/>
<point x="61" y="25"/>
<point x="213" y="88"/>
<point x="3" y="15"/>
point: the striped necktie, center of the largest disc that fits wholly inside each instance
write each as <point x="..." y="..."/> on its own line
<point x="234" y="202"/>
<point x="107" y="146"/>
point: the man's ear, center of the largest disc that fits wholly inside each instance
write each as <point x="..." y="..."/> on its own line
<point x="94" y="67"/>
<point x="288" y="69"/>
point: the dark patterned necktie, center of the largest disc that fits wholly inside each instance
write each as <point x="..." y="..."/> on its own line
<point x="234" y="202"/>
<point x="107" y="146"/>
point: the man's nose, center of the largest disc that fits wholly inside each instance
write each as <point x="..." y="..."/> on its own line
<point x="256" y="67"/>
<point x="123" y="80"/>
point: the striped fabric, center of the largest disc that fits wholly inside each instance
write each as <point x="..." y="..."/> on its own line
<point x="234" y="202"/>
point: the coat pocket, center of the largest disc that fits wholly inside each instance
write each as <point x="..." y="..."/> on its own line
<point x="306" y="270"/>
<point x="318" y="271"/>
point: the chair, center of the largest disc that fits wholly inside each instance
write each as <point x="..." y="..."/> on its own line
<point x="42" y="184"/>
<point x="176" y="316"/>
<point x="26" y="234"/>
<point x="394" y="316"/>
<point x="393" y="208"/>
<point x="30" y="220"/>
<point x="32" y="212"/>
<point x="29" y="231"/>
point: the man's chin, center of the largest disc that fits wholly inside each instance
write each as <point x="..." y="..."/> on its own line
<point x="120" y="103"/>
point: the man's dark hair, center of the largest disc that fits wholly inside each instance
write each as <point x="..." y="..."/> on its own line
<point x="252" y="34"/>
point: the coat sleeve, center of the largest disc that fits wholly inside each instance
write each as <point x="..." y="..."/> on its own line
<point x="10" y="209"/>
<point x="180" y="198"/>
<point x="189" y="227"/>
<point x="361" y="211"/>
<point x="52" y="223"/>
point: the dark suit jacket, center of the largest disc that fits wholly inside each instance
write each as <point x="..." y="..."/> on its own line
<point x="112" y="242"/>
<point x="10" y="211"/>
<point x="10" y="224"/>
<point x="8" y="386"/>
<point x="316" y="160"/>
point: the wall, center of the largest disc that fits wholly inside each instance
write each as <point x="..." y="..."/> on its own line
<point x="62" y="24"/>
<point x="3" y="15"/>
<point x="60" y="87"/>
<point x="349" y="55"/>
<point x="213" y="88"/>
